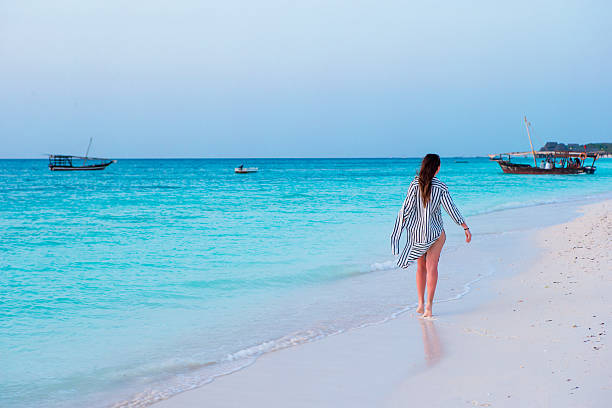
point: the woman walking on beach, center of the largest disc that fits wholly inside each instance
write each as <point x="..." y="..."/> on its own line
<point x="420" y="215"/>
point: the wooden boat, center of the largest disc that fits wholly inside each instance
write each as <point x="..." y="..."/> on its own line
<point x="243" y="170"/>
<point x="552" y="162"/>
<point x="59" y="162"/>
<point x="70" y="163"/>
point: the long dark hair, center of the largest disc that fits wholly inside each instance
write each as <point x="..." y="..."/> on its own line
<point x="429" y="166"/>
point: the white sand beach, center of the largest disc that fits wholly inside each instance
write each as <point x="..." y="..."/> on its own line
<point x="534" y="337"/>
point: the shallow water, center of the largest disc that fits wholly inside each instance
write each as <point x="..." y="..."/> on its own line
<point x="153" y="276"/>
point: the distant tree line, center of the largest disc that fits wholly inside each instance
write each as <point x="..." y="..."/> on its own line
<point x="575" y="147"/>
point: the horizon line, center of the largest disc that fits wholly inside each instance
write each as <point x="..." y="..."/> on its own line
<point x="259" y="158"/>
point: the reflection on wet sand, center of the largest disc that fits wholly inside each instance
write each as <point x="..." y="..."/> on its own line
<point x="431" y="342"/>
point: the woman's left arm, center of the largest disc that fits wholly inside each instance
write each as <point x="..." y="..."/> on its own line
<point x="402" y="216"/>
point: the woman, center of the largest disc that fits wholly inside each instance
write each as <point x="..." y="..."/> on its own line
<point x="420" y="215"/>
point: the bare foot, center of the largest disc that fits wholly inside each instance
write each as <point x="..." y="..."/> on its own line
<point x="420" y="309"/>
<point x="428" y="312"/>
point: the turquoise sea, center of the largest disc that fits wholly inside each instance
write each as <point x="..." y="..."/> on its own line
<point x="121" y="287"/>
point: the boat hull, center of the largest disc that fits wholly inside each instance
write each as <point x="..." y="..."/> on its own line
<point x="245" y="170"/>
<point x="515" y="168"/>
<point x="79" y="168"/>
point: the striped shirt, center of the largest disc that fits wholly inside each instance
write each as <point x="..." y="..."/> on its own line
<point x="423" y="224"/>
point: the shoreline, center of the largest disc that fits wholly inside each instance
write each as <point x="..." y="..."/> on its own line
<point x="347" y="362"/>
<point x="497" y="232"/>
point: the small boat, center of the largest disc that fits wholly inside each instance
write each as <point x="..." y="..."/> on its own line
<point x="244" y="170"/>
<point x="59" y="162"/>
<point x="70" y="163"/>
<point x="552" y="162"/>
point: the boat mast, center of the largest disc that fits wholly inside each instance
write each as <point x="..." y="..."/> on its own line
<point x="535" y="163"/>
<point x="87" y="152"/>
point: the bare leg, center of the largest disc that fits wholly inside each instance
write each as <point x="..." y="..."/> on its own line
<point x="433" y="256"/>
<point x="421" y="280"/>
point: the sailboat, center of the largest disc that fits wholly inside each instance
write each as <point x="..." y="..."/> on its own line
<point x="552" y="162"/>
<point x="60" y="162"/>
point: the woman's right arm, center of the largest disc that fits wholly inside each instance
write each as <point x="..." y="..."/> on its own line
<point x="468" y="234"/>
<point x="453" y="211"/>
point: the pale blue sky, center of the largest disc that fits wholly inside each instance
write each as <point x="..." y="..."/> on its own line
<point x="273" y="78"/>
